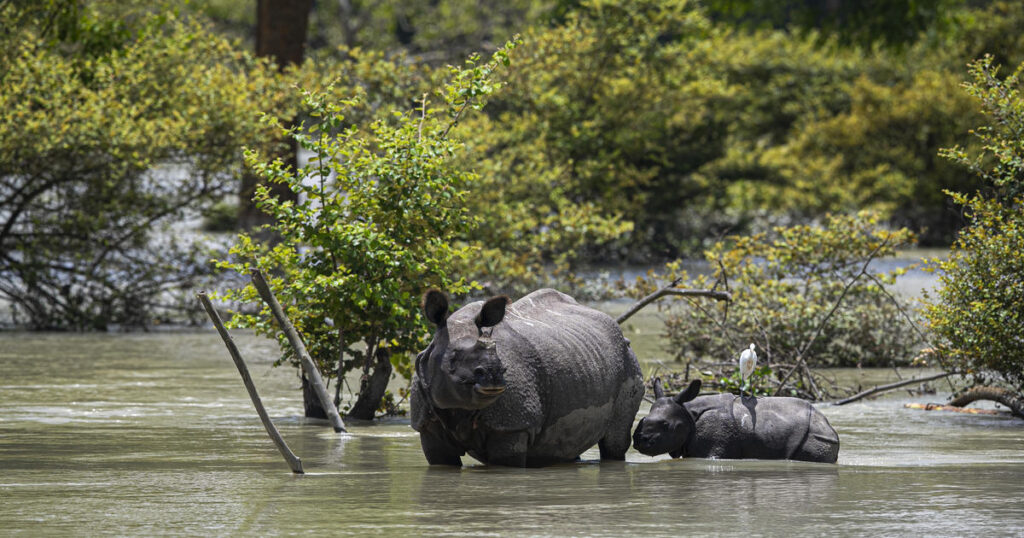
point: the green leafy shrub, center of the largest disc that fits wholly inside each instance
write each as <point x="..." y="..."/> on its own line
<point x="979" y="308"/>
<point x="380" y="216"/>
<point x="800" y="292"/>
<point x="115" y="129"/>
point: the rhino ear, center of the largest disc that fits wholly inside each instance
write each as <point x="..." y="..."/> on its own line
<point x="492" y="312"/>
<point x="435" y="307"/>
<point x="690" y="393"/>
<point x="658" y="391"/>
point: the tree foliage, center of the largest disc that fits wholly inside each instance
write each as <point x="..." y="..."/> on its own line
<point x="979" y="309"/>
<point x="435" y="32"/>
<point x="379" y="219"/>
<point x="645" y="121"/>
<point x="113" y="130"/>
<point x="894" y="23"/>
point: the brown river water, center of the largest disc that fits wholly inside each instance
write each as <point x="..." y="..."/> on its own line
<point x="154" y="434"/>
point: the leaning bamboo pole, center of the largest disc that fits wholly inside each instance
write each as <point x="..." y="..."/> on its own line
<point x="293" y="461"/>
<point x="312" y="372"/>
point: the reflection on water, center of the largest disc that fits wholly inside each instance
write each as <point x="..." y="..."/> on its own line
<point x="154" y="434"/>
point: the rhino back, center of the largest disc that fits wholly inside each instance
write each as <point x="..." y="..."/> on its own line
<point x="765" y="428"/>
<point x="579" y="353"/>
<point x="581" y="365"/>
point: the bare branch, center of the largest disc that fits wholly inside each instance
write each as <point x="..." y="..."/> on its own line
<point x="670" y="289"/>
<point x="891" y="386"/>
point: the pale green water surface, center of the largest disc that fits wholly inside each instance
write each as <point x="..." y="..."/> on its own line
<point x="154" y="434"/>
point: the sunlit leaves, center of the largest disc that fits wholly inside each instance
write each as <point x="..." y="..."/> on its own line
<point x="379" y="219"/>
<point x="979" y="310"/>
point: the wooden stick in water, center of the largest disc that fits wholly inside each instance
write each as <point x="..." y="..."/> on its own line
<point x="312" y="372"/>
<point x="293" y="461"/>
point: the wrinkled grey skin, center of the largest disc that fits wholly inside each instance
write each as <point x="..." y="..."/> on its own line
<point x="729" y="427"/>
<point x="531" y="383"/>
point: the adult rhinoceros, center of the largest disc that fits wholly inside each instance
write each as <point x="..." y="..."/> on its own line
<point x="729" y="427"/>
<point x="531" y="383"/>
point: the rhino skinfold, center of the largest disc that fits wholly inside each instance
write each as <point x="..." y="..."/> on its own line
<point x="531" y="383"/>
<point x="730" y="427"/>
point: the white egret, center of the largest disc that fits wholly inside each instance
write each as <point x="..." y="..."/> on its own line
<point x="748" y="360"/>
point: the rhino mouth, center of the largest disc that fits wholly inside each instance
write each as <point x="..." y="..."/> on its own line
<point x="489" y="391"/>
<point x="648" y="444"/>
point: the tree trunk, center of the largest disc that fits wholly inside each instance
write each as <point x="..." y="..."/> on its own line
<point x="310" y="401"/>
<point x="372" y="387"/>
<point x="995" y="394"/>
<point x="281" y="27"/>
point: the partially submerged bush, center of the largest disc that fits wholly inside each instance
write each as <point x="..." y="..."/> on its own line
<point x="114" y="131"/>
<point x="801" y="293"/>
<point x="979" y="309"/>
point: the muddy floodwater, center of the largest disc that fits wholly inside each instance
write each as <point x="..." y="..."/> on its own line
<point x="154" y="434"/>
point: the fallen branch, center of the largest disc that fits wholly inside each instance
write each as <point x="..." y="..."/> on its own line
<point x="312" y="372"/>
<point x="940" y="407"/>
<point x="670" y="289"/>
<point x="293" y="461"/>
<point x="995" y="394"/>
<point x="891" y="386"/>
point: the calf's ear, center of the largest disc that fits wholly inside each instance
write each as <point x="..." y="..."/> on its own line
<point x="658" y="391"/>
<point x="435" y="307"/>
<point x="690" y="393"/>
<point x="492" y="312"/>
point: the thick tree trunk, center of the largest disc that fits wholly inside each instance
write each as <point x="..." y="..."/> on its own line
<point x="310" y="401"/>
<point x="281" y="27"/>
<point x="994" y="394"/>
<point x="372" y="387"/>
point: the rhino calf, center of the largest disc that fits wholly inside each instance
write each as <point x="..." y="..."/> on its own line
<point x="531" y="383"/>
<point x="729" y="427"/>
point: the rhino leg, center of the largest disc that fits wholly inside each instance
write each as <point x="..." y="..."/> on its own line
<point x="439" y="450"/>
<point x="618" y="437"/>
<point x="615" y="444"/>
<point x="508" y="449"/>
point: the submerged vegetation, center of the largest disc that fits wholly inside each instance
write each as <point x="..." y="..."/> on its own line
<point x="379" y="219"/>
<point x="806" y="296"/>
